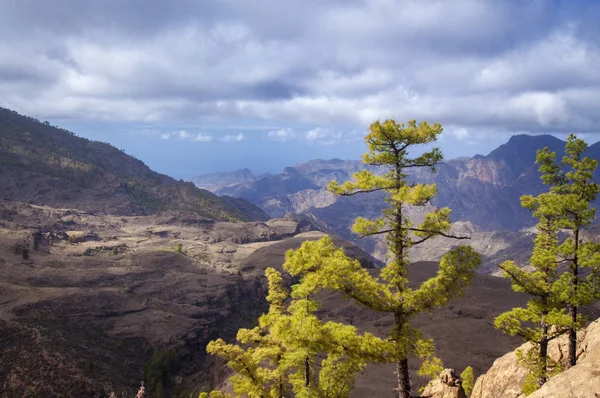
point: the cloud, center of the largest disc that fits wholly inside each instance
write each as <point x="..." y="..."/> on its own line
<point x="186" y="136"/>
<point x="477" y="65"/>
<point x="319" y="135"/>
<point x="461" y="134"/>
<point x="233" y="138"/>
<point x="282" y="135"/>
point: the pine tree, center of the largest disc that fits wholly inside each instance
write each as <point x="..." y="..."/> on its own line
<point x="571" y="181"/>
<point x="544" y="318"/>
<point x="281" y="355"/>
<point x="468" y="380"/>
<point x="388" y="145"/>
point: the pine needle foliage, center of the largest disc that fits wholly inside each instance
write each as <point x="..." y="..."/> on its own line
<point x="319" y="265"/>
<point x="468" y="380"/>
<point x="544" y="318"/>
<point x="571" y="181"/>
<point x="556" y="293"/>
<point x="293" y="353"/>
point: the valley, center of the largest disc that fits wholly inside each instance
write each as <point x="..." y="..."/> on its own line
<point x="124" y="277"/>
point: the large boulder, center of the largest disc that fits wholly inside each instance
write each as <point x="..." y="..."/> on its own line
<point x="505" y="377"/>
<point x="448" y="385"/>
<point x="583" y="379"/>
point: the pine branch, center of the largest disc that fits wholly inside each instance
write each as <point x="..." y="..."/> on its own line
<point x="416" y="242"/>
<point x="438" y="233"/>
<point x="528" y="289"/>
<point x="364" y="191"/>
<point x="431" y="164"/>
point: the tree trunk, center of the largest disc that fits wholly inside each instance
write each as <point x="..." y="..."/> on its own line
<point x="403" y="378"/>
<point x="573" y="308"/>
<point x="573" y="337"/>
<point x="543" y="378"/>
<point x="306" y="372"/>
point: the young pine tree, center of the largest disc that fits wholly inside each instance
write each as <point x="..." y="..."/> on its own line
<point x="280" y="357"/>
<point x="571" y="182"/>
<point x="389" y="292"/>
<point x="544" y="318"/>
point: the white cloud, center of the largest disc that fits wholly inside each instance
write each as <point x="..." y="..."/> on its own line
<point x="202" y="138"/>
<point x="233" y="138"/>
<point x="282" y="135"/>
<point x="461" y="134"/>
<point x="476" y="65"/>
<point x="319" y="135"/>
<point x="184" y="135"/>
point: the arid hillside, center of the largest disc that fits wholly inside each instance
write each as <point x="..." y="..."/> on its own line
<point x="47" y="165"/>
<point x="99" y="295"/>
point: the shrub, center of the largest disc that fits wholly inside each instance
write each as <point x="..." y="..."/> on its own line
<point x="468" y="380"/>
<point x="157" y="370"/>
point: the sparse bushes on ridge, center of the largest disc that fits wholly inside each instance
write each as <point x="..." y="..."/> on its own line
<point x="21" y="249"/>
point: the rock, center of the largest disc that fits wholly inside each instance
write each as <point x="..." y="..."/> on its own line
<point x="583" y="379"/>
<point x="505" y="377"/>
<point x="448" y="385"/>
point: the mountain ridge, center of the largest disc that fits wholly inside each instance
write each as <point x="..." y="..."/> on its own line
<point x="483" y="189"/>
<point x="48" y="165"/>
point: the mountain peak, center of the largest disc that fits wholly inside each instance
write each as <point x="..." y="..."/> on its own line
<point x="524" y="147"/>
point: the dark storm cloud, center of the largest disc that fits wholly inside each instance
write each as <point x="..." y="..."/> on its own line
<point x="487" y="65"/>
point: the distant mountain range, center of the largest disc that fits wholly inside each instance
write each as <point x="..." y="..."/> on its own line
<point x="47" y="165"/>
<point x="483" y="192"/>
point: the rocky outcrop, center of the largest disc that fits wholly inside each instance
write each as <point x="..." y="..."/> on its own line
<point x="448" y="385"/>
<point x="505" y="377"/>
<point x="298" y="202"/>
<point x="583" y="379"/>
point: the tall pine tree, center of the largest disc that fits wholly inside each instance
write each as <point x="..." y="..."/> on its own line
<point x="544" y="318"/>
<point x="293" y="353"/>
<point x="390" y="292"/>
<point x="572" y="182"/>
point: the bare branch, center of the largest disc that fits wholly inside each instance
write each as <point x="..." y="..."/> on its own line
<point x="365" y="191"/>
<point x="416" y="242"/>
<point x="438" y="233"/>
<point x="385" y="231"/>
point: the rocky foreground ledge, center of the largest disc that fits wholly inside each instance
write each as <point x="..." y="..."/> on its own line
<point x="505" y="377"/>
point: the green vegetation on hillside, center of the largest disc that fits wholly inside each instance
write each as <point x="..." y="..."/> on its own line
<point x="30" y="149"/>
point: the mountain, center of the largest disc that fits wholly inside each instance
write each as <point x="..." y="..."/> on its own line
<point x="484" y="190"/>
<point x="219" y="180"/>
<point x="288" y="182"/>
<point x="47" y="165"/>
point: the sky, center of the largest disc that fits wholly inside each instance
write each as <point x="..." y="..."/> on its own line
<point x="192" y="87"/>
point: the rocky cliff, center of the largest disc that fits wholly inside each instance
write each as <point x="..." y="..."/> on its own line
<point x="505" y="377"/>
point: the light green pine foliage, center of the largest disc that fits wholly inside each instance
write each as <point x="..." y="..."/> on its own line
<point x="571" y="182"/>
<point x="567" y="206"/>
<point x="468" y="380"/>
<point x="544" y="318"/>
<point x="388" y="146"/>
<point x="292" y="352"/>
